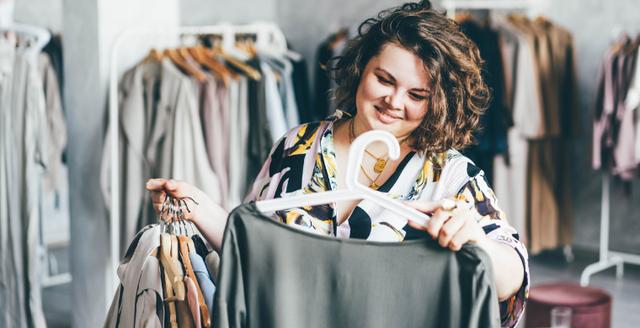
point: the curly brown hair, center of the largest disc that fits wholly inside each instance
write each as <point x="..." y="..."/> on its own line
<point x="458" y="94"/>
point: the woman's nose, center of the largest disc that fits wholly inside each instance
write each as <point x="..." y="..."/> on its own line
<point x="394" y="100"/>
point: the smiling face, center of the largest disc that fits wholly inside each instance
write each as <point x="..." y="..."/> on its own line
<point x="393" y="92"/>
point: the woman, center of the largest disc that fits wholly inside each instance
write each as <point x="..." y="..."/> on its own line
<point x="410" y="72"/>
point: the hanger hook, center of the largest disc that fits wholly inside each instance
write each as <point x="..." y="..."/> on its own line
<point x="356" y="153"/>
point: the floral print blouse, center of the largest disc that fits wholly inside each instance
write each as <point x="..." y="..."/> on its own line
<point x="303" y="161"/>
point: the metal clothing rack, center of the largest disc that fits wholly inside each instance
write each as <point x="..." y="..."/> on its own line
<point x="452" y="5"/>
<point x="608" y="258"/>
<point x="268" y="35"/>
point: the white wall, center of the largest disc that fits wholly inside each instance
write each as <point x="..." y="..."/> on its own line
<point x="44" y="13"/>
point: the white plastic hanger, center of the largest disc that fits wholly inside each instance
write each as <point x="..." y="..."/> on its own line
<point x="40" y="36"/>
<point x="354" y="190"/>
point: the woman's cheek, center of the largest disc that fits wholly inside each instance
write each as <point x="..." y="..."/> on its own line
<point x="416" y="113"/>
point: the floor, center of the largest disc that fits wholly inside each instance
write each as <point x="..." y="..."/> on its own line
<point x="547" y="267"/>
<point x="552" y="267"/>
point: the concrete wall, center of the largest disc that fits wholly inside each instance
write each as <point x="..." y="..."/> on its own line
<point x="89" y="29"/>
<point x="203" y="12"/>
<point x="44" y="13"/>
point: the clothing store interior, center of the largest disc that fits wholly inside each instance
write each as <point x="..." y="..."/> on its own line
<point x="176" y="163"/>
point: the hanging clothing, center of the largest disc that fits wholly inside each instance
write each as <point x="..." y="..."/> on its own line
<point x="491" y="140"/>
<point x="614" y="123"/>
<point x="137" y="105"/>
<point x="259" y="136"/>
<point x="214" y="110"/>
<point x="24" y="156"/>
<point x="238" y="140"/>
<point x="138" y="300"/>
<point x="160" y="136"/>
<point x="276" y="276"/>
<point x="540" y="81"/>
<point x="304" y="161"/>
<point x="302" y="91"/>
<point x="632" y="102"/>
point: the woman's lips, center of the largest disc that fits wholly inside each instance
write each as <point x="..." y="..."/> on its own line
<point x="385" y="116"/>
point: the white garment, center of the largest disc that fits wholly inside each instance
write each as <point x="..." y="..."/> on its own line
<point x="55" y="202"/>
<point x="138" y="300"/>
<point x="23" y="157"/>
<point x="275" y="110"/>
<point x="238" y="134"/>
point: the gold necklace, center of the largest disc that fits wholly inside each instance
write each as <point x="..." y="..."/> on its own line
<point x="378" y="167"/>
<point x="381" y="162"/>
<point x="372" y="182"/>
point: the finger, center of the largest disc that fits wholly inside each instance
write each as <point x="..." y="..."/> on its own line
<point x="417" y="226"/>
<point x="437" y="220"/>
<point x="460" y="238"/>
<point x="156" y="184"/>
<point x="158" y="197"/>
<point x="450" y="229"/>
<point x="423" y="206"/>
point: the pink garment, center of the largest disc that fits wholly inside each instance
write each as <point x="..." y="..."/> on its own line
<point x="192" y="301"/>
<point x="214" y="111"/>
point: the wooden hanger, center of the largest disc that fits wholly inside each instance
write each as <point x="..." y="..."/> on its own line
<point x="153" y="56"/>
<point x="247" y="70"/>
<point x="179" y="61"/>
<point x="338" y="37"/>
<point x="188" y="268"/>
<point x="200" y="54"/>
<point x="170" y="265"/>
<point x="168" y="293"/>
<point x="463" y="16"/>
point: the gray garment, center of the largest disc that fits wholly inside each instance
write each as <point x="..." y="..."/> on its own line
<point x="238" y="136"/>
<point x="273" y="275"/>
<point x="184" y="153"/>
<point x="204" y="279"/>
<point x="138" y="300"/>
<point x="285" y="88"/>
<point x="134" y="127"/>
<point x="259" y="139"/>
<point x="23" y="155"/>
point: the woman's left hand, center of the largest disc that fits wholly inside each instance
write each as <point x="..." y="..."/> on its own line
<point x="453" y="223"/>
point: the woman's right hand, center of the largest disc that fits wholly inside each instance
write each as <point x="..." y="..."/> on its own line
<point x="200" y="205"/>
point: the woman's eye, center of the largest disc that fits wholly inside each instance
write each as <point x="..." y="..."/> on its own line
<point x="383" y="80"/>
<point x="417" y="97"/>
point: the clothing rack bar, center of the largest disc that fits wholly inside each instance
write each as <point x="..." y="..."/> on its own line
<point x="261" y="29"/>
<point x="452" y="5"/>
<point x="608" y="258"/>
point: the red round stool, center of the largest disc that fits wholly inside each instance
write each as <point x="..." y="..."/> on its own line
<point x="591" y="307"/>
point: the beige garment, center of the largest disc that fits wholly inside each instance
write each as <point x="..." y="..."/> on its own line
<point x="564" y="70"/>
<point x="528" y="112"/>
<point x="184" y="154"/>
<point x="538" y="196"/>
<point x="510" y="183"/>
<point x="138" y="300"/>
<point x="542" y="202"/>
<point x="133" y="130"/>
